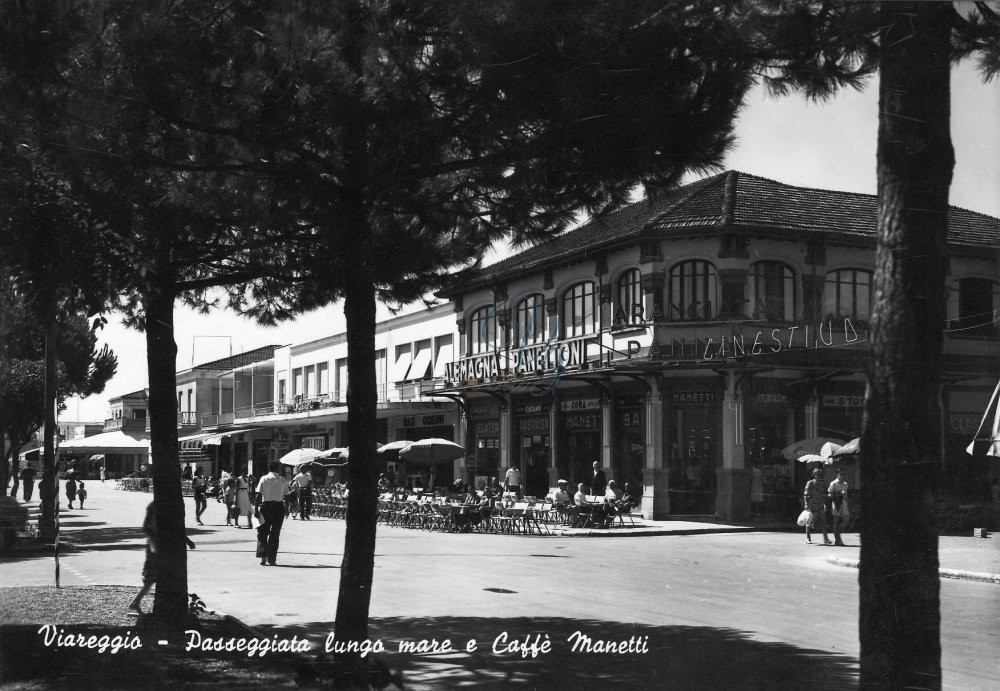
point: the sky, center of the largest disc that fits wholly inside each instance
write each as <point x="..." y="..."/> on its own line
<point x="826" y="145"/>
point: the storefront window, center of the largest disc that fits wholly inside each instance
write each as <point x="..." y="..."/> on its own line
<point x="580" y="314"/>
<point x="693" y="286"/>
<point x="848" y="293"/>
<point x="630" y="302"/>
<point x="773" y="290"/>
<point x="482" y="331"/>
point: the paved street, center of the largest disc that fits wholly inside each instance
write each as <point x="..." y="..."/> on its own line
<point x="719" y="610"/>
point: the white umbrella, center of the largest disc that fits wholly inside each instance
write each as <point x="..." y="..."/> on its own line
<point x="807" y="446"/>
<point x="299" y="456"/>
<point x="987" y="439"/>
<point x="814" y="458"/>
<point x="431" y="451"/>
<point x="334" y="452"/>
<point x="851" y="448"/>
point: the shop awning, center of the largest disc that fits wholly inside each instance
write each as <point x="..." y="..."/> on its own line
<point x="195" y="443"/>
<point x="107" y="442"/>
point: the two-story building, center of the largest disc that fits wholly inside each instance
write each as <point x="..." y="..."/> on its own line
<point x="123" y="445"/>
<point x="264" y="407"/>
<point x="684" y="341"/>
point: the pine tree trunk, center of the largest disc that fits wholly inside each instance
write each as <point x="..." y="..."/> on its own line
<point x="358" y="565"/>
<point x="899" y="586"/>
<point x="170" y="604"/>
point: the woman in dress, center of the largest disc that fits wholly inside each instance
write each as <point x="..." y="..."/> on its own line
<point x="838" y="500"/>
<point x="815" y="501"/>
<point x="243" y="503"/>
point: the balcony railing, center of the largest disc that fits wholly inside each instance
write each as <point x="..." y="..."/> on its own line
<point x="187" y="419"/>
<point x="126" y="425"/>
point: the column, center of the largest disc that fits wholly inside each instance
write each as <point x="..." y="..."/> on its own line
<point x="553" y="440"/>
<point x="732" y="499"/>
<point x="655" y="491"/>
<point x="606" y="426"/>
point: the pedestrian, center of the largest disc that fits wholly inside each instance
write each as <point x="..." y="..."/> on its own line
<point x="229" y="498"/>
<point x="599" y="481"/>
<point x="838" y="500"/>
<point x="71" y="490"/>
<point x="186" y="473"/>
<point x="102" y="474"/>
<point x="814" y="498"/>
<point x="150" y="567"/>
<point x="81" y="492"/>
<point x="244" y="507"/>
<point x="28" y="481"/>
<point x="304" y="482"/>
<point x="271" y="491"/>
<point x="199" y="485"/>
<point x="512" y="481"/>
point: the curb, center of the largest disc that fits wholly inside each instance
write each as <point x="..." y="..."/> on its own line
<point x="944" y="573"/>
<point x="656" y="532"/>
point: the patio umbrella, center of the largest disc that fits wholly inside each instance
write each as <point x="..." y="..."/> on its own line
<point x="987" y="439"/>
<point x="299" y="456"/>
<point x="851" y="448"/>
<point x="393" y="449"/>
<point x="814" y="458"/>
<point x="431" y="451"/>
<point x="802" y="447"/>
<point x="333" y="452"/>
<point x="345" y="451"/>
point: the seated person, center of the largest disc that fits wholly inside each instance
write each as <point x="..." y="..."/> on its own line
<point x="612" y="494"/>
<point x="458" y="486"/>
<point x="383" y="484"/>
<point x="633" y="493"/>
<point x="561" y="496"/>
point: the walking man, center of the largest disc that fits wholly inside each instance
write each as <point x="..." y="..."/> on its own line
<point x="303" y="481"/>
<point x="28" y="481"/>
<point x="270" y="504"/>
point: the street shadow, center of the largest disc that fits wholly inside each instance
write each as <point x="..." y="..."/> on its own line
<point x="306" y="566"/>
<point x="674" y="657"/>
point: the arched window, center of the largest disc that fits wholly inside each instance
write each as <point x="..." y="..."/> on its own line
<point x="848" y="294"/>
<point x="973" y="305"/>
<point x="693" y="286"/>
<point x="482" y="331"/>
<point x="773" y="291"/>
<point x="630" y="303"/>
<point x="579" y="310"/>
<point x="529" y="317"/>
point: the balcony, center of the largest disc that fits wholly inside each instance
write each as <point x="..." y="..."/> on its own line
<point x="188" y="419"/>
<point x="126" y="425"/>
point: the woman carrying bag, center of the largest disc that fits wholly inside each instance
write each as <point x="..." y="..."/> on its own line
<point x="814" y="498"/>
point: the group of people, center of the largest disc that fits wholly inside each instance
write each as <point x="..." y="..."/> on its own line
<point x="608" y="500"/>
<point x="818" y="498"/>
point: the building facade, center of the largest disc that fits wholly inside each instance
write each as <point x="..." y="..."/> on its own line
<point x="684" y="342"/>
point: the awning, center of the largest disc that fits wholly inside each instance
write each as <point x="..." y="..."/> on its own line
<point x="106" y="442"/>
<point x="195" y="443"/>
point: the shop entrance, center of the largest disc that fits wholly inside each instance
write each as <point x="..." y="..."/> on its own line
<point x="693" y="464"/>
<point x="629" y="457"/>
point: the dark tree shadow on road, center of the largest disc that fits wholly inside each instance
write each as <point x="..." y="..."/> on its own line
<point x="676" y="657"/>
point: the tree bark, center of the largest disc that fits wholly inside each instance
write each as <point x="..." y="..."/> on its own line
<point x="358" y="565"/>
<point x="899" y="585"/>
<point x="171" y="601"/>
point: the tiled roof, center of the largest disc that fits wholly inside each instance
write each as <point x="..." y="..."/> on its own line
<point x="741" y="202"/>
<point x="250" y="357"/>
